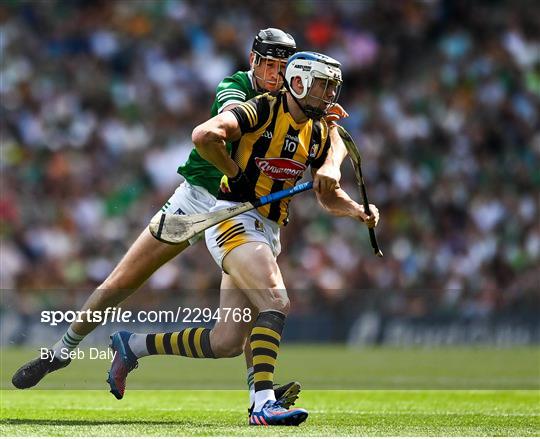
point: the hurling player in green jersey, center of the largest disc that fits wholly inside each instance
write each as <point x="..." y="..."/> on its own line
<point x="268" y="58"/>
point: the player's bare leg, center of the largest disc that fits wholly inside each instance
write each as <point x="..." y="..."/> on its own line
<point x="228" y="337"/>
<point x="231" y="296"/>
<point x="142" y="259"/>
<point x="264" y="287"/>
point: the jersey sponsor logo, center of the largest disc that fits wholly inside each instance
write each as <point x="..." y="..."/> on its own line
<point x="267" y="134"/>
<point x="278" y="168"/>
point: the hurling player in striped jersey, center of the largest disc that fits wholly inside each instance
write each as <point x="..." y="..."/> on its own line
<point x="275" y="138"/>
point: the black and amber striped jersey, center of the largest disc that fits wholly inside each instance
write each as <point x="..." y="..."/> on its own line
<point x="274" y="150"/>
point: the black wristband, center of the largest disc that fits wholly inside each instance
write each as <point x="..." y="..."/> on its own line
<point x="241" y="188"/>
<point x="237" y="177"/>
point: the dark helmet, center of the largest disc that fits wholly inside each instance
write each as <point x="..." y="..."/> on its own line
<point x="274" y="43"/>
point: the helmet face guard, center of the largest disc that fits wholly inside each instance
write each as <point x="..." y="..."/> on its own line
<point x="320" y="109"/>
<point x="264" y="68"/>
<point x="272" y="46"/>
<point x="309" y="67"/>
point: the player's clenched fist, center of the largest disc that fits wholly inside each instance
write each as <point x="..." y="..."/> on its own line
<point x="335" y="113"/>
<point x="370" y="220"/>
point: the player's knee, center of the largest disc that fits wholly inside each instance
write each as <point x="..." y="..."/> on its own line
<point x="283" y="305"/>
<point x="278" y="301"/>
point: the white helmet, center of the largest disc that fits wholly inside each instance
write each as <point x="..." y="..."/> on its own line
<point x="308" y="66"/>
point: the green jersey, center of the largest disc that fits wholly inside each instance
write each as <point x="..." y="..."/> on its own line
<point x="234" y="89"/>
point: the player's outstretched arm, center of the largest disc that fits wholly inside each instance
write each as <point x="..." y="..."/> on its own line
<point x="338" y="203"/>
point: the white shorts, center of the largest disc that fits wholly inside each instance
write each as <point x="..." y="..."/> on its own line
<point x="187" y="200"/>
<point x="246" y="227"/>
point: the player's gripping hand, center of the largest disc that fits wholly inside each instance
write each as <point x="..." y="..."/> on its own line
<point x="370" y="220"/>
<point x="335" y="113"/>
<point x="239" y="187"/>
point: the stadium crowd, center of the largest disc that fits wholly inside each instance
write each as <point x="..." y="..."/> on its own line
<point x="99" y="98"/>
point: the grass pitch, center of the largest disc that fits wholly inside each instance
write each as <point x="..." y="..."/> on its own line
<point x="459" y="392"/>
<point x="223" y="413"/>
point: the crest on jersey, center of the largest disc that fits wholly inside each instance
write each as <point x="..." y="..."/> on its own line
<point x="259" y="226"/>
<point x="278" y="168"/>
<point x="314" y="150"/>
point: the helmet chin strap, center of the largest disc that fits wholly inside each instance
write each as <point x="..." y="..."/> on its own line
<point x="286" y="85"/>
<point x="310" y="113"/>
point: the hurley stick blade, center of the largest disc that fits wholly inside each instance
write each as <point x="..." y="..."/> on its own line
<point x="175" y="229"/>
